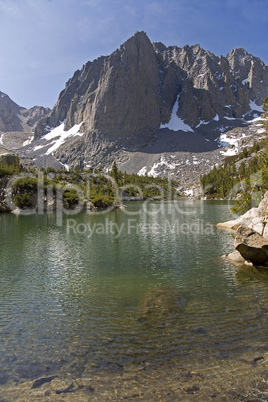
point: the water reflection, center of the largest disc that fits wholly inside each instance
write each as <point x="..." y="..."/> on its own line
<point x="86" y="292"/>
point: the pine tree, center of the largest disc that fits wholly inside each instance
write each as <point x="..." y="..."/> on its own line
<point x="115" y="173"/>
<point x="265" y="105"/>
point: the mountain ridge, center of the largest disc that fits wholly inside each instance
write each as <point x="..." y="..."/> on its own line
<point x="120" y="106"/>
<point x="17" y="123"/>
<point x="170" y="83"/>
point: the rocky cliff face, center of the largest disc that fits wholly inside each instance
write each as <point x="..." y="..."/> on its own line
<point x="149" y="107"/>
<point x="9" y="111"/>
<point x="17" y="123"/>
<point x="133" y="90"/>
<point x="117" y="95"/>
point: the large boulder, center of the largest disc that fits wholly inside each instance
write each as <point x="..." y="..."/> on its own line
<point x="245" y="220"/>
<point x="251" y="245"/>
<point x="255" y="218"/>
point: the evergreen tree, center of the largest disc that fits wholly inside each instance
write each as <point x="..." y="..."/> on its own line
<point x="115" y="173"/>
<point x="265" y="105"/>
<point x="248" y="177"/>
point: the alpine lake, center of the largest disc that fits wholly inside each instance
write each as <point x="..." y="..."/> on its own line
<point x="132" y="304"/>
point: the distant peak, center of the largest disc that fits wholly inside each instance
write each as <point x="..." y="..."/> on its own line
<point x="6" y="98"/>
<point x="238" y="52"/>
<point x="140" y="34"/>
<point x="196" y="48"/>
<point x="159" y="46"/>
<point x="137" y="39"/>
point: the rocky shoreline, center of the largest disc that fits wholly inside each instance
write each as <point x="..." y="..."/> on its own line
<point x="239" y="379"/>
<point x="251" y="240"/>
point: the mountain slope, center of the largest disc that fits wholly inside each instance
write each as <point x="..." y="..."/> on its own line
<point x="146" y="100"/>
<point x="17" y="123"/>
<point x="135" y="88"/>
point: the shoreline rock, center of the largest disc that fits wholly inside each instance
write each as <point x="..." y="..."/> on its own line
<point x="251" y="245"/>
<point x="87" y="207"/>
<point x="236" y="258"/>
<point x="255" y="218"/>
<point x="251" y="241"/>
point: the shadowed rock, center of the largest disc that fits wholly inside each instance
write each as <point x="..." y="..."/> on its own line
<point x="127" y="99"/>
<point x="251" y="245"/>
<point x="255" y="218"/>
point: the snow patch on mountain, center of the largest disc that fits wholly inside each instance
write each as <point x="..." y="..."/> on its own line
<point x="27" y="142"/>
<point x="176" y="123"/>
<point x="229" y="118"/>
<point x="216" y="118"/>
<point x="59" y="136"/>
<point x="255" y="107"/>
<point x="230" y="152"/>
<point x="39" y="147"/>
<point x="231" y="142"/>
<point x="62" y="135"/>
<point x="261" y="131"/>
<point x="158" y="167"/>
<point x="226" y="140"/>
<point x="142" y="171"/>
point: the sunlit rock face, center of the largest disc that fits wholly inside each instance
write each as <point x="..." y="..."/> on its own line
<point x="133" y="90"/>
<point x="154" y="109"/>
<point x="17" y="123"/>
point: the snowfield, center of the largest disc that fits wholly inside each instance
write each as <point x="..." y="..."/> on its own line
<point x="61" y="136"/>
<point x="175" y="123"/>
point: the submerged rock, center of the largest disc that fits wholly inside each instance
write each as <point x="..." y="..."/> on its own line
<point x="40" y="381"/>
<point x="251" y="245"/>
<point x="160" y="305"/>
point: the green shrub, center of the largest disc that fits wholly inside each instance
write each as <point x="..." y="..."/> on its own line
<point x="25" y="183"/>
<point x="102" y="200"/>
<point x="7" y="169"/>
<point x="71" y="197"/>
<point x="23" y="201"/>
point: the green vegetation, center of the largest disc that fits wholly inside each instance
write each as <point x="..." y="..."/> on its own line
<point x="148" y="187"/>
<point x="23" y="201"/>
<point x="105" y="192"/>
<point x="24" y="191"/>
<point x="101" y="189"/>
<point x="25" y="183"/>
<point x="102" y="192"/>
<point x="9" y="165"/>
<point x="243" y="176"/>
<point x="237" y="174"/>
<point x="71" y="197"/>
<point x="100" y="200"/>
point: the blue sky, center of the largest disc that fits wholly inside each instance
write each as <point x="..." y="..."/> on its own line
<point x="42" y="42"/>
